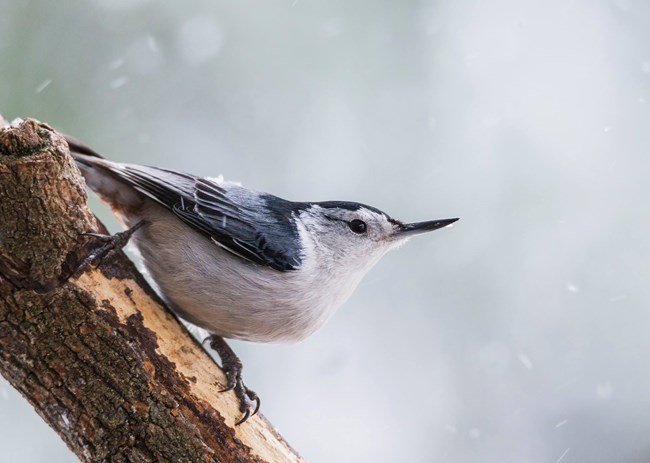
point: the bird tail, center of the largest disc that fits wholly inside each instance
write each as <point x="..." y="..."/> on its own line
<point x="87" y="159"/>
<point x="79" y="147"/>
<point x="102" y="177"/>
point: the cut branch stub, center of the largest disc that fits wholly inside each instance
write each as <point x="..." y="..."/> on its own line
<point x="43" y="207"/>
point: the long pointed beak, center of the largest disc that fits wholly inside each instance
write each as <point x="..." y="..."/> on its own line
<point x="412" y="229"/>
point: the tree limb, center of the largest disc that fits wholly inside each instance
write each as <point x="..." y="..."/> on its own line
<point x="98" y="355"/>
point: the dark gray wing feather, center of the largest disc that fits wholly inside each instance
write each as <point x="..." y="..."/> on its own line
<point x="241" y="223"/>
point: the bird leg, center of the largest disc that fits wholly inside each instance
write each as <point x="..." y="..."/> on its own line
<point x="232" y="367"/>
<point x="111" y="244"/>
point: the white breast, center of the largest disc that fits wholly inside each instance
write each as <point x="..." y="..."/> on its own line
<point x="234" y="298"/>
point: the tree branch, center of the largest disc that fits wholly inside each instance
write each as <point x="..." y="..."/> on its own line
<point x="98" y="355"/>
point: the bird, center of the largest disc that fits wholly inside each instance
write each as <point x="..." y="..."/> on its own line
<point x="239" y="263"/>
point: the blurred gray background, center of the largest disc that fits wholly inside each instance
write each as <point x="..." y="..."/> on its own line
<point x="518" y="335"/>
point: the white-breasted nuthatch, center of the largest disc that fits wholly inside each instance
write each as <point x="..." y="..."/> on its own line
<point x="240" y="263"/>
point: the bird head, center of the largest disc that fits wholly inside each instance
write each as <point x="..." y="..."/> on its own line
<point x="350" y="238"/>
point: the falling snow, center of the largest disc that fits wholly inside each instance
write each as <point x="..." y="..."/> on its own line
<point x="572" y="288"/>
<point x="116" y="64"/>
<point x="561" y="423"/>
<point x="119" y="82"/>
<point x="43" y="85"/>
<point x="152" y="43"/>
<point x="525" y="361"/>
<point x="564" y="454"/>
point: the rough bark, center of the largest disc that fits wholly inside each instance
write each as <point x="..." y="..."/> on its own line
<point x="98" y="355"/>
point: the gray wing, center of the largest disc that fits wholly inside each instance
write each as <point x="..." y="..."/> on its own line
<point x="236" y="219"/>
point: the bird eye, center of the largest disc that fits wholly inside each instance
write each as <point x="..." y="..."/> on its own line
<point x="357" y="226"/>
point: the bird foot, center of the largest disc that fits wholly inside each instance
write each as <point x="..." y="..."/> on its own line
<point x="112" y="243"/>
<point x="249" y="401"/>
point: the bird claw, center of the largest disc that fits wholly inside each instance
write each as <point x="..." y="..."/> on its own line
<point x="247" y="398"/>
<point x="98" y="236"/>
<point x="231" y="376"/>
<point x="229" y="387"/>
<point x="249" y="401"/>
